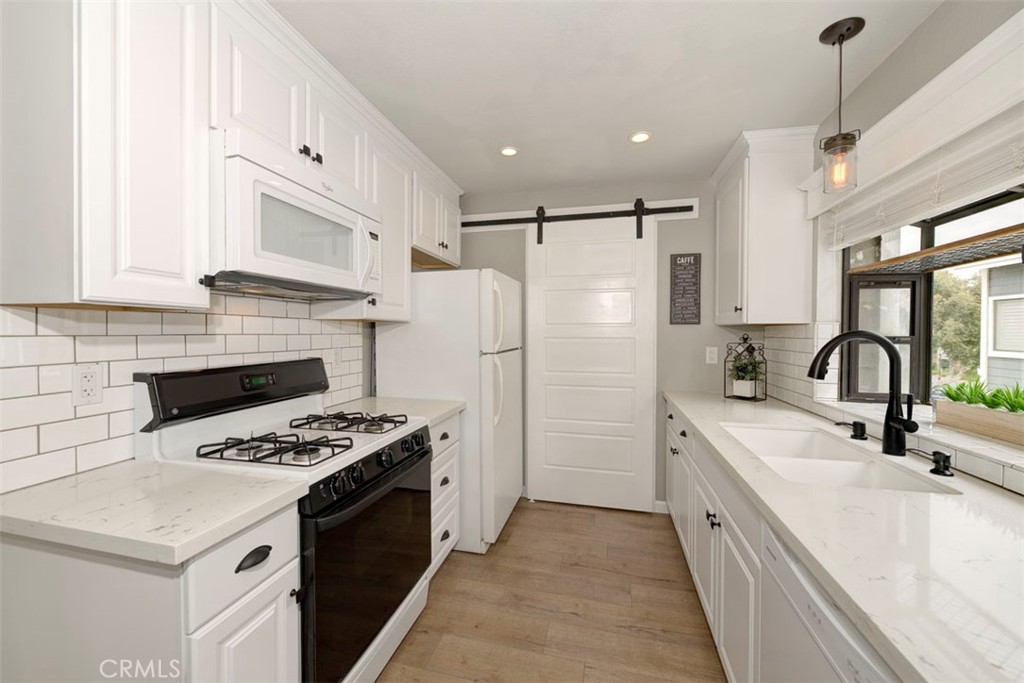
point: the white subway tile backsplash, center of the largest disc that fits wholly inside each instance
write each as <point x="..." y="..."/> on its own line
<point x="162" y="346"/>
<point x="204" y="345"/>
<point x="58" y="435"/>
<point x="39" y="347"/>
<point x="134" y="322"/>
<point x="91" y="349"/>
<point x="257" y="325"/>
<point x="184" y="323"/>
<point x="16" y="474"/>
<point x="64" y="322"/>
<point x="19" y="351"/>
<point x="121" y="371"/>
<point x="273" y="308"/>
<point x="34" y="410"/>
<point x="54" y="378"/>
<point x="17" y="443"/>
<point x="17" y="321"/>
<point x="188" y="363"/>
<point x="236" y="305"/>
<point x="224" y="324"/>
<point x="104" y="453"/>
<point x="286" y="326"/>
<point x="15" y="382"/>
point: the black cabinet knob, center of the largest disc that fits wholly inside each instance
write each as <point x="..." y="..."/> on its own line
<point x="445" y="536"/>
<point x="682" y="433"/>
<point x="737" y="309"/>
<point x="372" y="301"/>
<point x="319" y="158"/>
<point x="306" y="151"/>
<point x="445" y="481"/>
<point x="444" y="436"/>
<point x="674" y="450"/>
<point x="714" y="523"/>
<point x="671" y="416"/>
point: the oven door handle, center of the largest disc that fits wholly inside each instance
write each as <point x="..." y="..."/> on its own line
<point x="380" y="489"/>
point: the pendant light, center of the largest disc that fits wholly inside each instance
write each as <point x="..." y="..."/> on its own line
<point x="839" y="152"/>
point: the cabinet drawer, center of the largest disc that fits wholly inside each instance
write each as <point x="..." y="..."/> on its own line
<point x="444" y="481"/>
<point x="444" y="434"/>
<point x="680" y="427"/>
<point x="445" y="529"/>
<point x="213" y="580"/>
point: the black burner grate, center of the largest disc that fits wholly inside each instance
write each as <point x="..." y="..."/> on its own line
<point x="274" y="449"/>
<point x="350" y="422"/>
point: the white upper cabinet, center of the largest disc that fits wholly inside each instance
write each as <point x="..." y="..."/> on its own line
<point x="451" y="242"/>
<point x="255" y="87"/>
<point x="436" y="236"/>
<point x="763" y="242"/>
<point x="337" y="141"/>
<point x="137" y="76"/>
<point x="390" y="184"/>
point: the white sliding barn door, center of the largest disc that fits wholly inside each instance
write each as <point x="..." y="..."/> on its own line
<point x="590" y="364"/>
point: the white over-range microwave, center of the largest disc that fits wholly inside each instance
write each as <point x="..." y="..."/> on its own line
<point x="281" y="228"/>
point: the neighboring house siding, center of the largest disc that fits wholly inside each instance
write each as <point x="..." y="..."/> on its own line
<point x="1006" y="280"/>
<point x="1005" y="372"/>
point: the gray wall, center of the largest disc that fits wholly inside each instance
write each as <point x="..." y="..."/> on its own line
<point x="950" y="31"/>
<point x="680" y="362"/>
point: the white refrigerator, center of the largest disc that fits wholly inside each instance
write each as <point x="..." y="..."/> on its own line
<point x="465" y="343"/>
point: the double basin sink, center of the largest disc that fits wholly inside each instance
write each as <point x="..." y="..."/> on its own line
<point x="807" y="455"/>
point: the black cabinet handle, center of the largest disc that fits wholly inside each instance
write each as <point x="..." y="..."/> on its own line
<point x="708" y="514"/>
<point x="445" y="481"/>
<point x="683" y="433"/>
<point x="737" y="309"/>
<point x="445" y="536"/>
<point x="305" y="150"/>
<point x="674" y="450"/>
<point x="319" y="158"/>
<point x="372" y="301"/>
<point x="714" y="523"/>
<point x="671" y="416"/>
<point x="256" y="556"/>
<point x="444" y="436"/>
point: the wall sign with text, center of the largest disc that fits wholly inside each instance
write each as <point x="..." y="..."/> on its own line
<point x="684" y="289"/>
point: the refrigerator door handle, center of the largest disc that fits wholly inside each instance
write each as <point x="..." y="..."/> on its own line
<point x="499" y="314"/>
<point x="500" y="386"/>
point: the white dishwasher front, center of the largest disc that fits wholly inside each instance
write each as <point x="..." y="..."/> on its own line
<point x="804" y="637"/>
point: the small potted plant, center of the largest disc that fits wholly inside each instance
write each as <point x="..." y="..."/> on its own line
<point x="744" y="373"/>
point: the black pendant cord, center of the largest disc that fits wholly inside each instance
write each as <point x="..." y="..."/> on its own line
<point x="840" y="41"/>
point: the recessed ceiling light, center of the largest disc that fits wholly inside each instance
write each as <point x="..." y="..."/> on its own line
<point x="639" y="137"/>
<point x="508" y="151"/>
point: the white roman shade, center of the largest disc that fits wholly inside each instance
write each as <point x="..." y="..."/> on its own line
<point x="983" y="161"/>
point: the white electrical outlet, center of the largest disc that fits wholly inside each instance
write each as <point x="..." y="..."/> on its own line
<point x="711" y="355"/>
<point x="86" y="385"/>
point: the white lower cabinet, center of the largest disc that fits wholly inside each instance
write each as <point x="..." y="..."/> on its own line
<point x="738" y="603"/>
<point x="256" y="639"/>
<point x="704" y="558"/>
<point x="444" y="494"/>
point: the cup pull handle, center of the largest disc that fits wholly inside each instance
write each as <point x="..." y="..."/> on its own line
<point x="254" y="557"/>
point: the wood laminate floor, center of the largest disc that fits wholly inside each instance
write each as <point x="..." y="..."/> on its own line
<point x="566" y="594"/>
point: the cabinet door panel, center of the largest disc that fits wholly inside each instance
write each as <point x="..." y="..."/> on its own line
<point x="730" y="215"/>
<point x="391" y="189"/>
<point x="256" y="639"/>
<point x="684" y="501"/>
<point x="737" y="611"/>
<point x="670" y="478"/>
<point x="255" y="88"/>
<point x="427" y="229"/>
<point x="339" y="139"/>
<point x="704" y="558"/>
<point x="452" y="233"/>
<point x="144" y="227"/>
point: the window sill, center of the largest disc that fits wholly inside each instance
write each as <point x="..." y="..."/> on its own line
<point x="996" y="462"/>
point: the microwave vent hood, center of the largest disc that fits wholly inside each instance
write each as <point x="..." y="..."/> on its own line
<point x="240" y="282"/>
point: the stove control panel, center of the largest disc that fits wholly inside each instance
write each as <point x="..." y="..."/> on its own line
<point x="363" y="473"/>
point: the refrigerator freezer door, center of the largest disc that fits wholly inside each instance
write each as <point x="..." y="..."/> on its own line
<point x="500" y="312"/>
<point x="501" y="442"/>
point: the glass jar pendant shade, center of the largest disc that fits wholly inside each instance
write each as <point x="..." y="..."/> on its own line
<point x="839" y="152"/>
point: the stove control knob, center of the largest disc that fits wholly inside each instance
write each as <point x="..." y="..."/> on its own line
<point x="407" y="446"/>
<point x="356" y="474"/>
<point x="337" y="485"/>
<point x="417" y="440"/>
<point x="386" y="458"/>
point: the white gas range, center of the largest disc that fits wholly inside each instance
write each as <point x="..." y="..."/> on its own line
<point x="364" y="526"/>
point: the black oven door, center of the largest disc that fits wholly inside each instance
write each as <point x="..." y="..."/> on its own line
<point x="360" y="560"/>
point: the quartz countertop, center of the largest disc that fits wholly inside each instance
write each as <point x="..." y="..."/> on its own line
<point x="935" y="581"/>
<point x="157" y="512"/>
<point x="435" y="411"/>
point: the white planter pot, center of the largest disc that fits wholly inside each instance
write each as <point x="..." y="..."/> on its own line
<point x="747" y="388"/>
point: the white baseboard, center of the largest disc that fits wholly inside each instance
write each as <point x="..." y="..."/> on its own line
<point x="660" y="507"/>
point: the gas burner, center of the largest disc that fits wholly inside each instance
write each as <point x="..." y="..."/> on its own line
<point x="350" y="422"/>
<point x="271" y="449"/>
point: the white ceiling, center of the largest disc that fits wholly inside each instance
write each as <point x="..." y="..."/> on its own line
<point x="566" y="82"/>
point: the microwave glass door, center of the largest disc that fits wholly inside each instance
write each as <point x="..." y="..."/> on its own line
<point x="293" y="232"/>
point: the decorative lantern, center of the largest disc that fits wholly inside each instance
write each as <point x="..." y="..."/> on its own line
<point x="746" y="370"/>
<point x="839" y="152"/>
